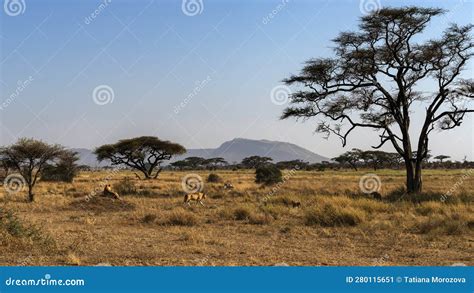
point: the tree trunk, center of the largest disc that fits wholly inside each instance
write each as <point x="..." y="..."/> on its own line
<point x="413" y="178"/>
<point x="31" y="196"/>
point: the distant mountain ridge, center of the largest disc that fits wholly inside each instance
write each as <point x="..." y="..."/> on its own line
<point x="234" y="151"/>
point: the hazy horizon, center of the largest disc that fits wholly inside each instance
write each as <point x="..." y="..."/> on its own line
<point x="198" y="78"/>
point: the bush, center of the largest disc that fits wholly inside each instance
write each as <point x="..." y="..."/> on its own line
<point x="331" y="216"/>
<point x="242" y="213"/>
<point x="260" y="219"/>
<point x="65" y="170"/>
<point x="61" y="173"/>
<point x="12" y="226"/>
<point x="214" y="178"/>
<point x="125" y="186"/>
<point x="181" y="218"/>
<point x="452" y="224"/>
<point x="268" y="175"/>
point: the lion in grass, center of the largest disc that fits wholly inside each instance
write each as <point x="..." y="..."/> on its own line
<point x="108" y="192"/>
<point x="197" y="197"/>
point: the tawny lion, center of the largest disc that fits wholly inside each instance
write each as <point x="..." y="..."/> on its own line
<point x="109" y="192"/>
<point x="197" y="197"/>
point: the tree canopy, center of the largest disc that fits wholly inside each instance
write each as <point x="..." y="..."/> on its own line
<point x="145" y="154"/>
<point x="29" y="157"/>
<point x="374" y="80"/>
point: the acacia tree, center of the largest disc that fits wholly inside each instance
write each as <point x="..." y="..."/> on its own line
<point x="255" y="161"/>
<point x="29" y="157"/>
<point x="374" y="81"/>
<point x="350" y="157"/>
<point x="145" y="154"/>
<point x="441" y="158"/>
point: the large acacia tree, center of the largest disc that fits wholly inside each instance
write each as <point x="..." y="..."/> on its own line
<point x="374" y="82"/>
<point x="145" y="154"/>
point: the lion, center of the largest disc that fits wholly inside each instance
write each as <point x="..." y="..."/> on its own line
<point x="197" y="197"/>
<point x="109" y="192"/>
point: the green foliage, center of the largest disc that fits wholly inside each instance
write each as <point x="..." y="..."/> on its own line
<point x="214" y="178"/>
<point x="145" y="153"/>
<point x="65" y="170"/>
<point x="268" y="175"/>
<point x="29" y="156"/>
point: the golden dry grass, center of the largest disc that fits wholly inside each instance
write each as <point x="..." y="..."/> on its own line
<point x="251" y="225"/>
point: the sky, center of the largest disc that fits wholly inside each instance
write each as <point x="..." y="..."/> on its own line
<point x="198" y="72"/>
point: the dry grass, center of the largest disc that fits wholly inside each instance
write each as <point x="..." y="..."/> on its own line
<point x="250" y="225"/>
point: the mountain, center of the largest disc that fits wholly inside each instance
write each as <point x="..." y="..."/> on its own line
<point x="87" y="157"/>
<point x="237" y="149"/>
<point x="233" y="151"/>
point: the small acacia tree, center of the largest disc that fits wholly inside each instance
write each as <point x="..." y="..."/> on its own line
<point x="145" y="154"/>
<point x="65" y="169"/>
<point x="374" y="82"/>
<point x="28" y="157"/>
<point x="350" y="157"/>
<point x="441" y="158"/>
<point x="255" y="162"/>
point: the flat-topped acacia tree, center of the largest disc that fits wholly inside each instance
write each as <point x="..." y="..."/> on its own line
<point x="145" y="154"/>
<point x="374" y="81"/>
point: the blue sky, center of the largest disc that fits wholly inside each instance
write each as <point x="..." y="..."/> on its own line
<point x="195" y="79"/>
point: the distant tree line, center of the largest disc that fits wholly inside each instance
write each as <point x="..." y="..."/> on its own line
<point x="35" y="160"/>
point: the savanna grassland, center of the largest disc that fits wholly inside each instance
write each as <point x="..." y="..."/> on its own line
<point x="335" y="225"/>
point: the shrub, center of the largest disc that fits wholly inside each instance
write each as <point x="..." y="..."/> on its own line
<point x="214" y="178"/>
<point x="331" y="216"/>
<point x="149" y="218"/>
<point x="126" y="186"/>
<point x="181" y="218"/>
<point x="11" y="225"/>
<point x="242" y="213"/>
<point x="268" y="175"/>
<point x="64" y="171"/>
<point x="260" y="219"/>
<point x="452" y="224"/>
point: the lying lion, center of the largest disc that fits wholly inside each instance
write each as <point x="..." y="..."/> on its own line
<point x="109" y="192"/>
